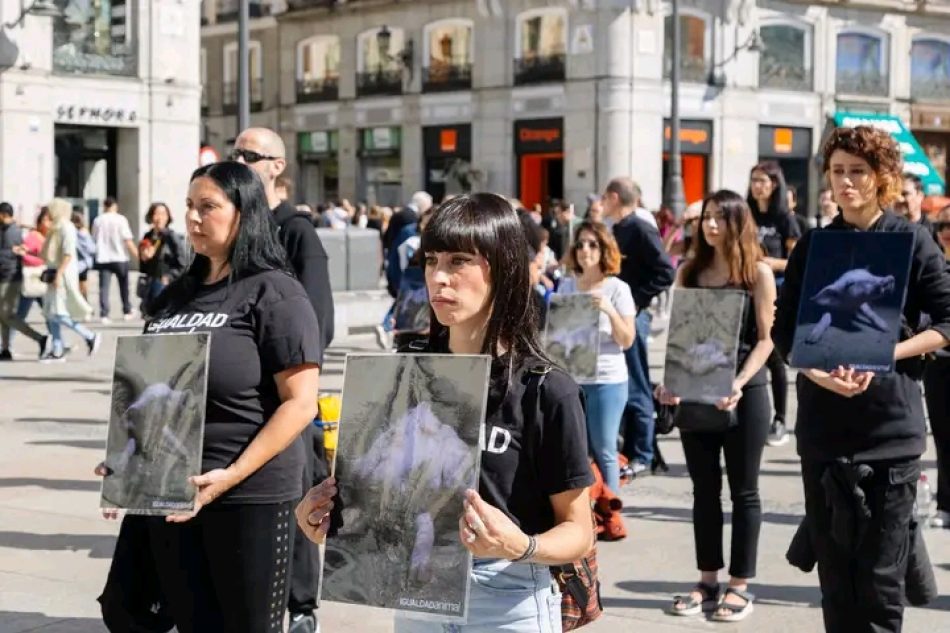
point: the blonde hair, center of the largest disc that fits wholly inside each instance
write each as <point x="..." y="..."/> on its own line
<point x="59" y="210"/>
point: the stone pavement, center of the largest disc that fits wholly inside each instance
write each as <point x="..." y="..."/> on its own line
<point x="55" y="548"/>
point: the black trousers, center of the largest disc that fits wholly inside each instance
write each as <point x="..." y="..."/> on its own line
<point x="779" y="378"/>
<point x="862" y="583"/>
<point x="743" y="446"/>
<point x="227" y="569"/>
<point x="121" y="272"/>
<point x="936" y="383"/>
<point x="307" y="566"/>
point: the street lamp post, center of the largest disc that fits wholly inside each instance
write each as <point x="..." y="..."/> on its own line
<point x="675" y="197"/>
<point x="244" y="79"/>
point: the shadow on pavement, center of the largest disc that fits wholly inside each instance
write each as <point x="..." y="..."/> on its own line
<point x="51" y="484"/>
<point x="94" y="444"/>
<point x="83" y="379"/>
<point x="685" y="515"/>
<point x="61" y="420"/>
<point x="13" y="622"/>
<point x="99" y="545"/>
<point x="784" y="595"/>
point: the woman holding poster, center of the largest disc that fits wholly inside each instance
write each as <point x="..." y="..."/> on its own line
<point x="727" y="256"/>
<point x="860" y="435"/>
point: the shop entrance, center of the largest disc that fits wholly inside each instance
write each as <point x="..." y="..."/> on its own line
<point x="86" y="170"/>
<point x="539" y="148"/>
<point x="790" y="147"/>
<point x="695" y="148"/>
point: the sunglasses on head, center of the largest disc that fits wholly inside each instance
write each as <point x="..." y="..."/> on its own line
<point x="249" y="156"/>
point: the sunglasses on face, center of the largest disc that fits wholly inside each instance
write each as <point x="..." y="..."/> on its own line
<point x="590" y="244"/>
<point x="249" y="156"/>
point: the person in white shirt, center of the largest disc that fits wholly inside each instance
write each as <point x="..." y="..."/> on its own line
<point x="115" y="247"/>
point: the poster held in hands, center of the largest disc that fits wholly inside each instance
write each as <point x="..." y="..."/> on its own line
<point x="572" y="335"/>
<point x="156" y="423"/>
<point x="703" y="342"/>
<point x="852" y="297"/>
<point x="410" y="437"/>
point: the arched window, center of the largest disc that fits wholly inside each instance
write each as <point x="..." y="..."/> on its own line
<point x="255" y="72"/>
<point x="318" y="68"/>
<point x="541" y="46"/>
<point x="695" y="46"/>
<point x="447" y="55"/>
<point x="786" y="61"/>
<point x="377" y="61"/>
<point x="862" y="63"/>
<point x="930" y="68"/>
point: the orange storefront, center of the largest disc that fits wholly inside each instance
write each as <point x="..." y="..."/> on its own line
<point x="695" y="150"/>
<point x="539" y="152"/>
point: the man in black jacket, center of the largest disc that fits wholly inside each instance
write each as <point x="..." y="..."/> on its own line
<point x="647" y="270"/>
<point x="11" y="277"/>
<point x="263" y="151"/>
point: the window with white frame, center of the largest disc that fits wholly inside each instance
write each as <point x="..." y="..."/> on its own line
<point x="786" y="60"/>
<point x="541" y="34"/>
<point x="370" y="56"/>
<point x="695" y="46"/>
<point x="318" y="65"/>
<point x="95" y="38"/>
<point x="930" y="68"/>
<point x="861" y="63"/>
<point x="447" y="54"/>
<point x="255" y="72"/>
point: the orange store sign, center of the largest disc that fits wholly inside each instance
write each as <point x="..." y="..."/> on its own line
<point x="529" y="135"/>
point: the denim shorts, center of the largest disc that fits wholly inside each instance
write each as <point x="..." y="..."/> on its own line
<point x="504" y="596"/>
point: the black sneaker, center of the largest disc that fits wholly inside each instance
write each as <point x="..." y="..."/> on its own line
<point x="44" y="345"/>
<point x="778" y="435"/>
<point x="94" y="343"/>
<point x="303" y="623"/>
<point x="6" y="355"/>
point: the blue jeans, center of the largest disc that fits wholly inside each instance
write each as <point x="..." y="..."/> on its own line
<point x="55" y="325"/>
<point x="605" y="405"/>
<point x="638" y="417"/>
<point x="504" y="596"/>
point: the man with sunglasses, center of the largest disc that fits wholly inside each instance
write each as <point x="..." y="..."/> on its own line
<point x="263" y="151"/>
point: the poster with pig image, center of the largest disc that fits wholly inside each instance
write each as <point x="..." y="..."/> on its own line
<point x="156" y="423"/>
<point x="852" y="296"/>
<point x="572" y="335"/>
<point x="409" y="445"/>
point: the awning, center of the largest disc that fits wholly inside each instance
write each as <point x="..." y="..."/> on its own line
<point x="915" y="159"/>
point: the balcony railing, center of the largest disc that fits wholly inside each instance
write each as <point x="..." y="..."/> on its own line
<point x="446" y="77"/>
<point x="540" y="69"/>
<point x="786" y="78"/>
<point x="692" y="70"/>
<point x="930" y="89"/>
<point x="872" y="85"/>
<point x="311" y="90"/>
<point x="230" y="100"/>
<point x="379" y="82"/>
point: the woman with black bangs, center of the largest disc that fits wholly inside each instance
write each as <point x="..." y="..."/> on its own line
<point x="224" y="566"/>
<point x="778" y="233"/>
<point x="531" y="509"/>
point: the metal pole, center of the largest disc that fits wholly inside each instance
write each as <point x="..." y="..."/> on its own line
<point x="675" y="197"/>
<point x="244" y="79"/>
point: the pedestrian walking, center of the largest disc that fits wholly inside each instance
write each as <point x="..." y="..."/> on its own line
<point x="85" y="251"/>
<point x="11" y="280"/>
<point x="727" y="255"/>
<point x="531" y="509"/>
<point x="594" y="260"/>
<point x="778" y="232"/>
<point x="858" y="427"/>
<point x="160" y="253"/>
<point x="32" y="253"/>
<point x="63" y="304"/>
<point x="264" y="152"/>
<point x="114" y="250"/>
<point x="647" y="269"/>
<point x="225" y="566"/>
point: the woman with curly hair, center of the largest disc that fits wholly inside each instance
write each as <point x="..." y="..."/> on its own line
<point x="853" y="427"/>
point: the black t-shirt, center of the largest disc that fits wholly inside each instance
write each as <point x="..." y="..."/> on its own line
<point x="519" y="471"/>
<point x="775" y="229"/>
<point x="260" y="326"/>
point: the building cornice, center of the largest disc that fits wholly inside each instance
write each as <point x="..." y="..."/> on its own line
<point x="910" y="7"/>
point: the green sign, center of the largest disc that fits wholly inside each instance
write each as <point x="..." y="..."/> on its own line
<point x="915" y="159"/>
<point x="318" y="143"/>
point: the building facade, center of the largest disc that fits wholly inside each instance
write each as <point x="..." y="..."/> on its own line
<point x="101" y="100"/>
<point x="541" y="99"/>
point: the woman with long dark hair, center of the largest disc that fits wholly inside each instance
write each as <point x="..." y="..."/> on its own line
<point x="224" y="567"/>
<point x="727" y="255"/>
<point x="531" y="509"/>
<point x="858" y="432"/>
<point x="160" y="256"/>
<point x="778" y="232"/>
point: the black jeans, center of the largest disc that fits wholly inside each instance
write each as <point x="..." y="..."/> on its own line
<point x="862" y="583"/>
<point x="779" y="377"/>
<point x="121" y="271"/>
<point x="936" y="381"/>
<point x="743" y="446"/>
<point x="227" y="569"/>
<point x="307" y="567"/>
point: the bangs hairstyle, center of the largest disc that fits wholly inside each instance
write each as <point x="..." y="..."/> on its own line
<point x="740" y="243"/>
<point x="485" y="224"/>
<point x="778" y="201"/>
<point x="609" y="251"/>
<point x="255" y="247"/>
<point x="881" y="152"/>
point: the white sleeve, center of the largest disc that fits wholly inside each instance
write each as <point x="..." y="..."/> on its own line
<point x="622" y="298"/>
<point x="126" y="230"/>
